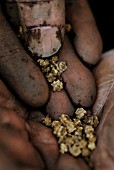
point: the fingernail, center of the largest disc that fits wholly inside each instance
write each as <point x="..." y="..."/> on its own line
<point x="44" y="41"/>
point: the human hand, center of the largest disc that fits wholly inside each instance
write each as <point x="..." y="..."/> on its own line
<point x="104" y="107"/>
<point x="87" y="41"/>
<point x="19" y="70"/>
<point x="42" y="144"/>
<point x="78" y="81"/>
<point x="26" y="82"/>
<point x="28" y="145"/>
<point x="103" y="155"/>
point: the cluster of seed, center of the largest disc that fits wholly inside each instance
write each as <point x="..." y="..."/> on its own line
<point x="75" y="136"/>
<point x="52" y="70"/>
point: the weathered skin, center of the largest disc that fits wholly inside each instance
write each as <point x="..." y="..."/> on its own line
<point x="78" y="80"/>
<point x="33" y="146"/>
<point x="87" y="41"/>
<point x="103" y="156"/>
<point x="43" y="24"/>
<point x="104" y="75"/>
<point x="19" y="70"/>
<point x="58" y="104"/>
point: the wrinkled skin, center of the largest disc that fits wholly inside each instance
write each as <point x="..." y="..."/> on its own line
<point x="104" y="106"/>
<point x="80" y="87"/>
<point x="28" y="145"/>
<point x="31" y="145"/>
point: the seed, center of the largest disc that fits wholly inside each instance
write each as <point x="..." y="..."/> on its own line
<point x="80" y="112"/>
<point x="47" y="121"/>
<point x="91" y="146"/>
<point x="69" y="141"/>
<point x="54" y="71"/>
<point x="88" y="129"/>
<point x="63" y="148"/>
<point x="75" y="150"/>
<point x="77" y="122"/>
<point x="46" y="70"/>
<point x="95" y="120"/>
<point x="85" y="152"/>
<point x="62" y="66"/>
<point x="89" y="136"/>
<point x="54" y="59"/>
<point x="57" y="85"/>
<point x="68" y="27"/>
<point x="82" y="143"/>
<point x="43" y="63"/>
<point x="50" y="77"/>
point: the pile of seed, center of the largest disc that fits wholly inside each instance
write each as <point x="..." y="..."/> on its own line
<point x="77" y="135"/>
<point x="52" y="70"/>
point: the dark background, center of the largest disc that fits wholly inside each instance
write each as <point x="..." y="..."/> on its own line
<point x="103" y="11"/>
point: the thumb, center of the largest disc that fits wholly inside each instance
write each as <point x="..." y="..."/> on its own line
<point x="43" y="25"/>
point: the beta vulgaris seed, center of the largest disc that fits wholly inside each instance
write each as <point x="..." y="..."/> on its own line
<point x="75" y="136"/>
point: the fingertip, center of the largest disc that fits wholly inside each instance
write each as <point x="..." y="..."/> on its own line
<point x="59" y="104"/>
<point x="79" y="81"/>
<point x="87" y="42"/>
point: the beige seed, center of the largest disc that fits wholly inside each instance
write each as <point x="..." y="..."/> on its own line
<point x="62" y="66"/>
<point x="68" y="27"/>
<point x="69" y="141"/>
<point x="89" y="136"/>
<point x="80" y="112"/>
<point x="50" y="77"/>
<point x="57" y="85"/>
<point x="88" y="129"/>
<point x="75" y="150"/>
<point x="77" y="122"/>
<point x="85" y="152"/>
<point x="54" y="71"/>
<point x="47" y="121"/>
<point x="63" y="148"/>
<point x="91" y="146"/>
<point x="54" y="59"/>
<point x="82" y="143"/>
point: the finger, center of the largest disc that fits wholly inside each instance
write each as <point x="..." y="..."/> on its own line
<point x="43" y="23"/>
<point x="7" y="100"/>
<point x="8" y="117"/>
<point x="87" y="42"/>
<point x="6" y="162"/>
<point x="79" y="81"/>
<point x="18" y="69"/>
<point x="67" y="162"/>
<point x="58" y="104"/>
<point x="11" y="11"/>
<point x="104" y="75"/>
<point x="14" y="141"/>
<point x="43" y="139"/>
<point x="103" y="155"/>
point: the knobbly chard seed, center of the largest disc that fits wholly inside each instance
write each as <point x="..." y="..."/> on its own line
<point x="57" y="85"/>
<point x="63" y="148"/>
<point x="75" y="136"/>
<point x="47" y="121"/>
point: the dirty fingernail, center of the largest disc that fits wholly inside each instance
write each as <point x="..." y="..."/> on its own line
<point x="44" y="41"/>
